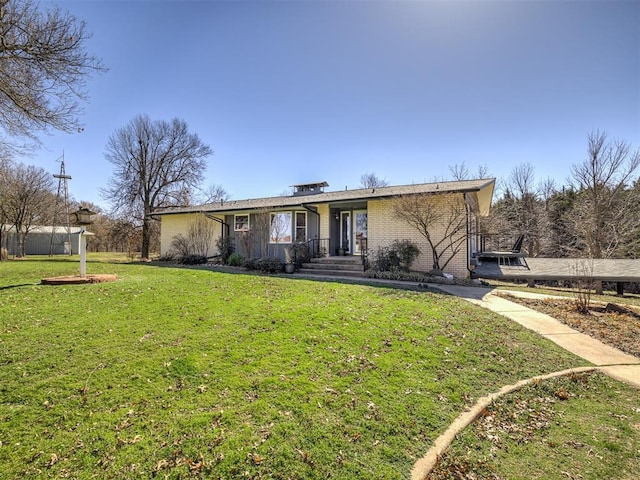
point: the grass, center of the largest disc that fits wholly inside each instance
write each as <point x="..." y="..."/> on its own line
<point x="584" y="426"/>
<point x="183" y="372"/>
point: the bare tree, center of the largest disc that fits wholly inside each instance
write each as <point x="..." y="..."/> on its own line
<point x="442" y="223"/>
<point x="198" y="239"/>
<point x="124" y="236"/>
<point x="462" y="172"/>
<point x="156" y="164"/>
<point x="371" y="180"/>
<point x="260" y="227"/>
<point x="27" y="200"/>
<point x="519" y="210"/>
<point x="43" y="70"/>
<point x="607" y="210"/>
<point x="212" y="194"/>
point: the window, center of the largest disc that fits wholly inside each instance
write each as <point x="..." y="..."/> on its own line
<point x="241" y="223"/>
<point x="301" y="227"/>
<point x="281" y="225"/>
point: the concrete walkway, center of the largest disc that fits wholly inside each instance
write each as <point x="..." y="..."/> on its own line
<point x="609" y="360"/>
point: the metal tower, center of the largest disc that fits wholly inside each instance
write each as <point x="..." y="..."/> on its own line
<point x="61" y="209"/>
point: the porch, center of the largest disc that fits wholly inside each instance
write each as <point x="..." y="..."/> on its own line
<point x="313" y="257"/>
<point x="619" y="271"/>
<point x="341" y="266"/>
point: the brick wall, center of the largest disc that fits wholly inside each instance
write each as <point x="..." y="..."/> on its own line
<point x="385" y="227"/>
<point x="323" y="210"/>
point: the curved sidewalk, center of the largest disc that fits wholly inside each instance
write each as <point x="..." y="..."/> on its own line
<point x="613" y="362"/>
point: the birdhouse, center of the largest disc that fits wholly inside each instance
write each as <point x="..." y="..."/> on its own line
<point x="82" y="216"/>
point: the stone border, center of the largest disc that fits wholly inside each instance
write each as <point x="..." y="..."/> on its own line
<point x="78" y="280"/>
<point x="422" y="468"/>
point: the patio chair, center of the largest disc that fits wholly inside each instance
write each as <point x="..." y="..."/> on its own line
<point x="508" y="256"/>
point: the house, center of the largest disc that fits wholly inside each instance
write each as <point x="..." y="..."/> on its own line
<point x="350" y="222"/>
<point x="43" y="240"/>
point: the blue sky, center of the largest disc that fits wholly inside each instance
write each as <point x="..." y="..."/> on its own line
<point x="293" y="92"/>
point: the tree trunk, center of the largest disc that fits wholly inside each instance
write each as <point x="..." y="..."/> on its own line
<point x="146" y="238"/>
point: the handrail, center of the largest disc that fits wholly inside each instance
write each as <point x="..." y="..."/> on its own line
<point x="313" y="248"/>
<point x="497" y="241"/>
<point x="364" y="254"/>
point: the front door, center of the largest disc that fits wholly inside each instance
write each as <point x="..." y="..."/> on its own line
<point x="345" y="231"/>
<point x="360" y="231"/>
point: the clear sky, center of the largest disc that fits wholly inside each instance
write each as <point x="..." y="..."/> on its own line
<point x="294" y="92"/>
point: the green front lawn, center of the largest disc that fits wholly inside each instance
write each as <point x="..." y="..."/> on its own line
<point x="177" y="372"/>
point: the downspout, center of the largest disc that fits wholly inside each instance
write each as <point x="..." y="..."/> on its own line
<point x="222" y="223"/>
<point x="309" y="209"/>
<point x="317" y="243"/>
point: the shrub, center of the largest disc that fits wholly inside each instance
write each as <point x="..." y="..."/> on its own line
<point x="399" y="256"/>
<point x="418" y="277"/>
<point x="196" y="241"/>
<point x="250" y="263"/>
<point x="169" y="256"/>
<point x="265" y="265"/>
<point x="235" y="260"/>
<point x="180" y="246"/>
<point x="193" y="259"/>
<point x="301" y="253"/>
<point x="225" y="247"/>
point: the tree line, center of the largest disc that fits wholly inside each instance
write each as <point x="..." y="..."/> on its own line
<point x="29" y="198"/>
<point x="595" y="215"/>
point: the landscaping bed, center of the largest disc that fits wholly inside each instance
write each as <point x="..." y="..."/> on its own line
<point x="611" y="323"/>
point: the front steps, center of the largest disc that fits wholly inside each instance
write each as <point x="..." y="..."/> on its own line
<point x="347" y="266"/>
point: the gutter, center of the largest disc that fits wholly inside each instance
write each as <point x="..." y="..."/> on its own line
<point x="220" y="221"/>
<point x="311" y="210"/>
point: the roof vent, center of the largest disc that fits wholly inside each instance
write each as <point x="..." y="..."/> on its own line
<point x="309" y="188"/>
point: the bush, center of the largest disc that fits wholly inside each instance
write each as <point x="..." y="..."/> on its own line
<point x="169" y="256"/>
<point x="301" y="253"/>
<point x="418" y="277"/>
<point x="235" y="260"/>
<point x="225" y="247"/>
<point x="265" y="265"/>
<point x="196" y="241"/>
<point x="250" y="263"/>
<point x="397" y="257"/>
<point x="193" y="259"/>
<point x="180" y="246"/>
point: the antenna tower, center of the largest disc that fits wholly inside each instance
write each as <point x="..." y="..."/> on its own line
<point x="61" y="209"/>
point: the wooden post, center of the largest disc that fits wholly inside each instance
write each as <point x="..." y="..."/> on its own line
<point x="598" y="285"/>
<point x="620" y="289"/>
<point x="83" y="254"/>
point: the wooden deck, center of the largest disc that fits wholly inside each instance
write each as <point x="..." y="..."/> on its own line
<point x="607" y="270"/>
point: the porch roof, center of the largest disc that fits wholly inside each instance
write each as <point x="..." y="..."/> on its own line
<point x="482" y="187"/>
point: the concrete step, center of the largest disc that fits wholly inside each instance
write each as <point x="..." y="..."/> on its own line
<point x="354" y="267"/>
<point x="349" y="260"/>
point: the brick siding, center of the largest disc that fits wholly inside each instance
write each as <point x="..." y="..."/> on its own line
<point x="385" y="227"/>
